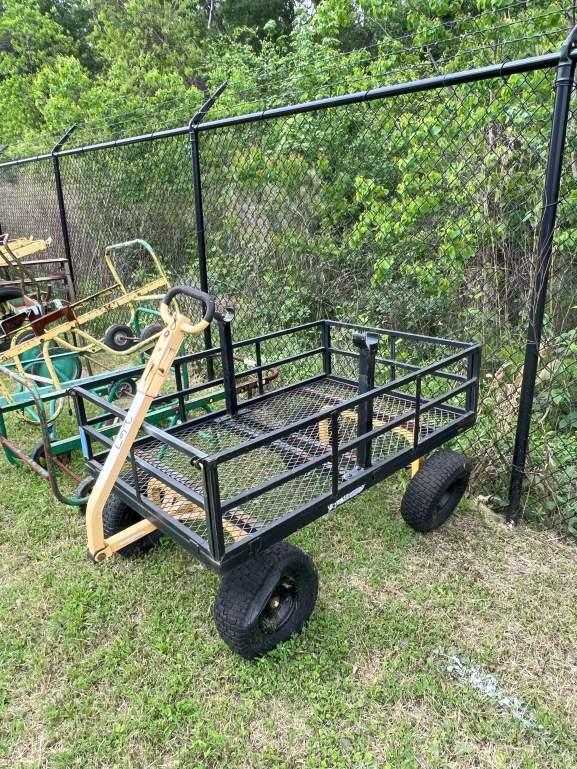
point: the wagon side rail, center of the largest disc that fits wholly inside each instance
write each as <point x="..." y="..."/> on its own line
<point x="221" y="556"/>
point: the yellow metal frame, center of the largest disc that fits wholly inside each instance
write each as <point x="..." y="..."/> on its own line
<point x="20" y="249"/>
<point x="74" y="327"/>
<point x="149" y="386"/>
<point x="120" y="283"/>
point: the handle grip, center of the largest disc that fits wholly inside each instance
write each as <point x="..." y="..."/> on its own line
<point x="193" y="293"/>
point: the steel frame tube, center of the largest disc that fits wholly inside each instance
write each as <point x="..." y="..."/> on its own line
<point x="62" y="213"/>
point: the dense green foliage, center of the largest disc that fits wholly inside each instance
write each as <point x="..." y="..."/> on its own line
<point x="95" y="60"/>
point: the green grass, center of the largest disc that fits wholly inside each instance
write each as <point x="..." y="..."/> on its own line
<point x="120" y="666"/>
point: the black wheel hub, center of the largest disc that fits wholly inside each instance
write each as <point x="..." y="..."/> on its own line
<point x="452" y="492"/>
<point x="280" y="606"/>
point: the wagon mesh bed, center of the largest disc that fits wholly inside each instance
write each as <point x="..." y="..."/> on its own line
<point x="222" y="482"/>
<point x="259" y="465"/>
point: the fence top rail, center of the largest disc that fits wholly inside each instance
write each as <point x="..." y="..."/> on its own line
<point x="505" y="69"/>
<point x="489" y="72"/>
<point x="23" y="161"/>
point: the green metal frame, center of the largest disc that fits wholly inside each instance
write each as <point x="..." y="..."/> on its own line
<point x="38" y="400"/>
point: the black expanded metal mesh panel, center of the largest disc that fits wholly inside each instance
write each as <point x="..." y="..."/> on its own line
<point x="419" y="212"/>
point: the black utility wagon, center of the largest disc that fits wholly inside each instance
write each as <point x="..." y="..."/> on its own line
<point x="351" y="405"/>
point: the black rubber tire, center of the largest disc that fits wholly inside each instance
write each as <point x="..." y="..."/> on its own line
<point x="117" y="516"/>
<point x="245" y="616"/>
<point x="435" y="491"/>
<point x="83" y="490"/>
<point x="119" y="337"/>
<point x="10" y="292"/>
<point x="151" y="330"/>
<point x="39" y="455"/>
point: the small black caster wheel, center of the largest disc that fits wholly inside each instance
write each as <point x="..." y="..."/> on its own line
<point x="119" y="338"/>
<point x="118" y="516"/>
<point x="266" y="600"/>
<point x="39" y="456"/>
<point x="122" y="389"/>
<point x="84" y="489"/>
<point x="151" y="330"/>
<point x="435" y="491"/>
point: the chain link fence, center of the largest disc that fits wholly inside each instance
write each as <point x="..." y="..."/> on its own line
<point x="29" y="207"/>
<point x="420" y="210"/>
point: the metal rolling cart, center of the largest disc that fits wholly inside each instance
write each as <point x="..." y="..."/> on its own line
<point x="51" y="346"/>
<point x="229" y="486"/>
<point x="55" y="345"/>
<point x="47" y="343"/>
<point x="23" y="294"/>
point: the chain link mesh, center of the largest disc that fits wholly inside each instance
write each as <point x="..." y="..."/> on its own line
<point x="551" y="469"/>
<point x="117" y="194"/>
<point x="29" y="209"/>
<point x="419" y="212"/>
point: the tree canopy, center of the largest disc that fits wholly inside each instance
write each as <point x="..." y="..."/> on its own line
<point x="144" y="64"/>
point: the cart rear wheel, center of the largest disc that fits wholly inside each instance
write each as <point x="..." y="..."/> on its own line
<point x="39" y="456"/>
<point x="435" y="491"/>
<point x="84" y="489"/>
<point x="121" y="389"/>
<point x="119" y="338"/>
<point x="10" y="292"/>
<point x="151" y="330"/>
<point x="118" y="516"/>
<point x="266" y="600"/>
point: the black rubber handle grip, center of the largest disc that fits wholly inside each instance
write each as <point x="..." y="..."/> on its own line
<point x="194" y="293"/>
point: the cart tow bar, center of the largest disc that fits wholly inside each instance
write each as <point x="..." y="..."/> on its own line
<point x="149" y="386"/>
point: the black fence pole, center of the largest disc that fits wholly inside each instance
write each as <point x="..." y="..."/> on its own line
<point x="3" y="149"/>
<point x="199" y="208"/>
<point x="62" y="212"/>
<point x="563" y="91"/>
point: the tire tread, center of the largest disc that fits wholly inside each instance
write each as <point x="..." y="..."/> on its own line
<point x="438" y="472"/>
<point x="236" y="594"/>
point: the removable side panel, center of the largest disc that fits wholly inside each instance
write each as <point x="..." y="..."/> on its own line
<point x="397" y="356"/>
<point x="176" y="467"/>
<point x="290" y="357"/>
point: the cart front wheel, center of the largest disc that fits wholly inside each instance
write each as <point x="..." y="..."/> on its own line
<point x="435" y="491"/>
<point x="151" y="330"/>
<point x="119" y="338"/>
<point x="121" y="389"/>
<point x="116" y="517"/>
<point x="266" y="600"/>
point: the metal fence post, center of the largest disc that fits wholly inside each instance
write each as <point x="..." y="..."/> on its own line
<point x="3" y="149"/>
<point x="563" y="91"/>
<point x="62" y="212"/>
<point x="196" y="119"/>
